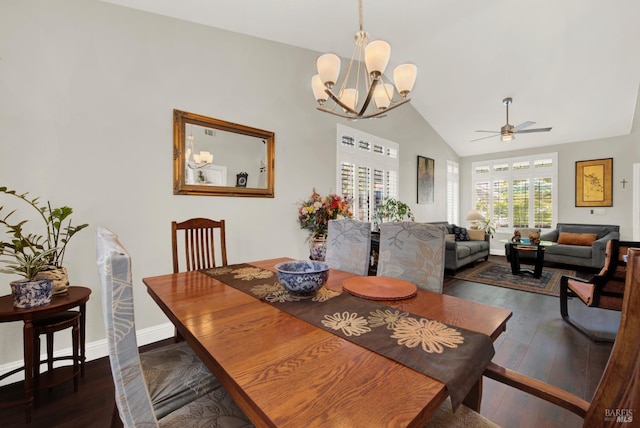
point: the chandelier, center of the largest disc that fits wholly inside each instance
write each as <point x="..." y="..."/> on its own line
<point x="196" y="159"/>
<point x="369" y="61"/>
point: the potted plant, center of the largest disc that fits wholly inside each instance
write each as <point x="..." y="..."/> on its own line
<point x="25" y="255"/>
<point x="391" y="210"/>
<point x="487" y="227"/>
<point x="48" y="248"/>
<point x="314" y="214"/>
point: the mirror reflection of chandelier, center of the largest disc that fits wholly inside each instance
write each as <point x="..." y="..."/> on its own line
<point x="196" y="159"/>
<point x="369" y="61"/>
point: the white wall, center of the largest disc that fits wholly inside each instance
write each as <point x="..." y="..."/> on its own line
<point x="87" y="91"/>
<point x="625" y="151"/>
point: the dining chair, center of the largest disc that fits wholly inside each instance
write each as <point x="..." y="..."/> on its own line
<point x="413" y="252"/>
<point x="604" y="290"/>
<point x="349" y="245"/>
<point x="617" y="396"/>
<point x="199" y="243"/>
<point x="166" y="387"/>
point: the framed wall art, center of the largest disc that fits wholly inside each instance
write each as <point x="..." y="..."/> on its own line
<point x="594" y="180"/>
<point x="426" y="172"/>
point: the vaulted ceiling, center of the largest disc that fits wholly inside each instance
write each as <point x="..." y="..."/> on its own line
<point x="573" y="65"/>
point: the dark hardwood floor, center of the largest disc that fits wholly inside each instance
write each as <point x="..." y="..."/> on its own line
<point x="537" y="343"/>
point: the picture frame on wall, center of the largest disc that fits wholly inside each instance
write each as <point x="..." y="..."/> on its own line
<point x="594" y="183"/>
<point x="426" y="173"/>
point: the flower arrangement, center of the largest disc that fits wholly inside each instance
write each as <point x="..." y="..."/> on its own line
<point x="315" y="212"/>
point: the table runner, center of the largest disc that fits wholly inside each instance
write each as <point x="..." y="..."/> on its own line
<point x="455" y="356"/>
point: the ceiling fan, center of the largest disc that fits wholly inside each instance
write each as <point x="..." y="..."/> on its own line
<point x="507" y="132"/>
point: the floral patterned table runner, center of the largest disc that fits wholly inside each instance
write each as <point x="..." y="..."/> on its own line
<point x="453" y="355"/>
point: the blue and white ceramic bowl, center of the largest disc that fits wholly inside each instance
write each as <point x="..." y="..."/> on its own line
<point x="302" y="278"/>
<point x="31" y="293"/>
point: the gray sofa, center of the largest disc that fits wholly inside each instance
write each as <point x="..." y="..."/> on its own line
<point x="580" y="255"/>
<point x="461" y="253"/>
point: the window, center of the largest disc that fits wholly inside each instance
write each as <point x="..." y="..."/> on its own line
<point x="453" y="185"/>
<point x="367" y="170"/>
<point x="517" y="192"/>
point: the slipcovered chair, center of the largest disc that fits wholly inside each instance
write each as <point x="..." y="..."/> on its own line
<point x="413" y="252"/>
<point x="349" y="245"/>
<point x="166" y="387"/>
<point x="617" y="394"/>
<point x="603" y="290"/>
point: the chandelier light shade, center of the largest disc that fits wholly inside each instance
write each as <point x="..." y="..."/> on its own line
<point x="196" y="158"/>
<point x="363" y="80"/>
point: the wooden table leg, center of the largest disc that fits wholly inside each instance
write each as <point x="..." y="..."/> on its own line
<point x="474" y="397"/>
<point x="82" y="337"/>
<point x="28" y="367"/>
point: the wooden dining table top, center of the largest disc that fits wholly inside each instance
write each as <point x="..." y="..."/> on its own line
<point x="285" y="372"/>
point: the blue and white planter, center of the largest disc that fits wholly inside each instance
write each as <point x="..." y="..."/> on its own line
<point x="31" y="293"/>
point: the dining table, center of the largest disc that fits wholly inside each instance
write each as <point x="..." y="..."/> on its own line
<point x="284" y="371"/>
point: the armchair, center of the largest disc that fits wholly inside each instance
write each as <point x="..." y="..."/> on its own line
<point x="604" y="290"/>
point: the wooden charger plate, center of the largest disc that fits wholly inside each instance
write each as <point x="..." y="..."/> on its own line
<point x="379" y="287"/>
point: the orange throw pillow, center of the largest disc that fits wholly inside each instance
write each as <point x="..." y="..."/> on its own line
<point x="475" y="234"/>
<point x="584" y="239"/>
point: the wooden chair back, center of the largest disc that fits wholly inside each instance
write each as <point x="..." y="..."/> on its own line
<point x="199" y="243"/>
<point x="618" y="394"/>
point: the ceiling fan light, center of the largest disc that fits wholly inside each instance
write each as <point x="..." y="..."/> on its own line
<point x="350" y="98"/>
<point x="404" y="76"/>
<point x="376" y="57"/>
<point x="507" y="137"/>
<point x="318" y="89"/>
<point x="382" y="95"/>
<point x="328" y="69"/>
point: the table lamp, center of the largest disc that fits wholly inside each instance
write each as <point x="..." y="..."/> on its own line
<point x="474" y="216"/>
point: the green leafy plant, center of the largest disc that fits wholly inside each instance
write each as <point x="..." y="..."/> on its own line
<point x="391" y="210"/>
<point x="27" y="254"/>
<point x="487" y="227"/>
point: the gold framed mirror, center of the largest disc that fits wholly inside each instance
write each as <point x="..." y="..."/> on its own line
<point x="217" y="158"/>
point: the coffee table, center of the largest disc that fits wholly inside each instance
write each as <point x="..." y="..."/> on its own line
<point x="538" y="249"/>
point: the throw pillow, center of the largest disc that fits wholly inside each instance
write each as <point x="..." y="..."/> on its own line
<point x="450" y="237"/>
<point x="461" y="233"/>
<point x="583" y="239"/>
<point x="476" y="235"/>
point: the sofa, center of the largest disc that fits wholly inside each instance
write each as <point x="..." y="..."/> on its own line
<point x="459" y="252"/>
<point x="580" y="245"/>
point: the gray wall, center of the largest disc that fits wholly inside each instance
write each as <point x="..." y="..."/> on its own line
<point x="625" y="151"/>
<point x="87" y="92"/>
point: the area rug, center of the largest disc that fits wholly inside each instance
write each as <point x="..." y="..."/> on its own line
<point x="499" y="274"/>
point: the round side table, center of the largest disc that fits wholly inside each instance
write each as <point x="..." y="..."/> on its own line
<point x="75" y="297"/>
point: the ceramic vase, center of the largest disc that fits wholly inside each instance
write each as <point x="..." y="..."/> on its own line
<point x="317" y="248"/>
<point x="29" y="293"/>
<point x="58" y="277"/>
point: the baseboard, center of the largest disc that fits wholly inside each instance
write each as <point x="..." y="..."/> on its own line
<point x="93" y="350"/>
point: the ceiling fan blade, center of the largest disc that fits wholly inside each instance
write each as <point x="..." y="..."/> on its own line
<point x="493" y="132"/>
<point x="525" y="131"/>
<point x="484" y="138"/>
<point x="524" y="125"/>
